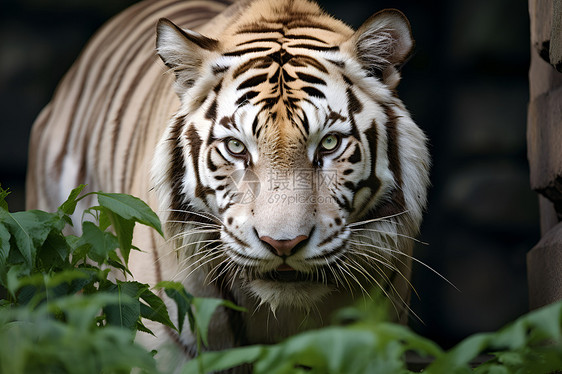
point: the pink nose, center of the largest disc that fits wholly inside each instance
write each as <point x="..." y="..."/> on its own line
<point x="283" y="247"/>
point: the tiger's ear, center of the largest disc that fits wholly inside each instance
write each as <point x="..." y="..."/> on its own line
<point x="183" y="51"/>
<point x="382" y="44"/>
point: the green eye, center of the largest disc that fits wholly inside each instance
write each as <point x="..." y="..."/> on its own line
<point x="235" y="146"/>
<point x="329" y="143"/>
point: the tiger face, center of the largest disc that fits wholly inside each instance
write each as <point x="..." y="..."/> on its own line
<point x="292" y="170"/>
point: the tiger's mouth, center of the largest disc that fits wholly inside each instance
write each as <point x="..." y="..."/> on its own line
<point x="286" y="274"/>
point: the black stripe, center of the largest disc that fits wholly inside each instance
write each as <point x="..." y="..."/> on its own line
<point x="305" y="123"/>
<point x="344" y="203"/>
<point x="307" y="23"/>
<point x="329" y="239"/>
<point x="211" y="113"/>
<point x="311" y="91"/>
<point x="217" y="69"/>
<point x="310" y="78"/>
<point x="218" y="87"/>
<point x="176" y="172"/>
<point x="281" y="57"/>
<point x="227" y="122"/>
<point x="349" y="185"/>
<point x="221" y="155"/>
<point x="373" y="182"/>
<point x="246" y="51"/>
<point x="395" y="203"/>
<point x="356" y="156"/>
<point x="392" y="146"/>
<point x="275" y="77"/>
<point x="246" y="97"/>
<point x="258" y="40"/>
<point x="252" y="82"/>
<point x="339" y="64"/>
<point x="305" y="37"/>
<point x="257" y="29"/>
<point x="195" y="143"/>
<point x="347" y="80"/>
<point x="316" y="47"/>
<point x="303" y="61"/>
<point x="210" y="164"/>
<point x="243" y="68"/>
<point x="353" y="104"/>
<point x="255" y="125"/>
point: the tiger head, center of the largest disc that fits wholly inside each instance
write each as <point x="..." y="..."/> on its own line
<point x="292" y="168"/>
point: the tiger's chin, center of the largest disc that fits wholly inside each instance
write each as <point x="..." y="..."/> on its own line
<point x="288" y="293"/>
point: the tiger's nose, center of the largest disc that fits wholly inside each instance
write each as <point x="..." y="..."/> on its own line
<point x="284" y="248"/>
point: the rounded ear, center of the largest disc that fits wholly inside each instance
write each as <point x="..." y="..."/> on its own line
<point x="183" y="51"/>
<point x="382" y="44"/>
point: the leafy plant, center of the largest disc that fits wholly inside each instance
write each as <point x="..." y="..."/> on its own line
<point x="532" y="345"/>
<point x="63" y="313"/>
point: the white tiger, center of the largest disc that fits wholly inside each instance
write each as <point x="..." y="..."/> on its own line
<point x="287" y="172"/>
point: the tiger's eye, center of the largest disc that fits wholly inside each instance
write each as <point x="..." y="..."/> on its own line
<point x="329" y="143"/>
<point x="235" y="146"/>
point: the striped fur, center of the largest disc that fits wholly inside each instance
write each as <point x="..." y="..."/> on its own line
<point x="272" y="123"/>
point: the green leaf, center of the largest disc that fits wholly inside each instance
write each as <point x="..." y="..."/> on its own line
<point x="226" y="359"/>
<point x="30" y="229"/>
<point x="116" y="262"/>
<point x="330" y="350"/>
<point x="4" y="246"/>
<point x="142" y="328"/>
<point x="126" y="312"/>
<point x="100" y="243"/>
<point x="155" y="310"/>
<point x="460" y="356"/>
<point x="3" y="194"/>
<point x="204" y="310"/>
<point x="183" y="300"/>
<point x="12" y="282"/>
<point x="69" y="205"/>
<point x="130" y="208"/>
<point x="54" y="252"/>
<point x="124" y="231"/>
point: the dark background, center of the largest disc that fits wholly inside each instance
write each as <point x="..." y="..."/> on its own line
<point x="466" y="87"/>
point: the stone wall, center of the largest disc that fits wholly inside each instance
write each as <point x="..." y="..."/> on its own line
<point x="544" y="138"/>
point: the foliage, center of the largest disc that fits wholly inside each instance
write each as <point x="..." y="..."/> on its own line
<point x="532" y="345"/>
<point x="61" y="311"/>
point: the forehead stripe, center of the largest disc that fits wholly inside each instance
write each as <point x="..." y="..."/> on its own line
<point x="310" y="79"/>
<point x="254" y="81"/>
<point x="246" y="51"/>
<point x="316" y="47"/>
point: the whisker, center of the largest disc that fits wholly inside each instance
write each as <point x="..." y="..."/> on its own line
<point x="365" y="273"/>
<point x="199" y="265"/>
<point x="389" y="266"/>
<point x="194" y="223"/>
<point x="205" y="215"/>
<point x="388" y="282"/>
<point x="411" y="258"/>
<point x="389" y="233"/>
<point x="185" y="234"/>
<point x="359" y="223"/>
